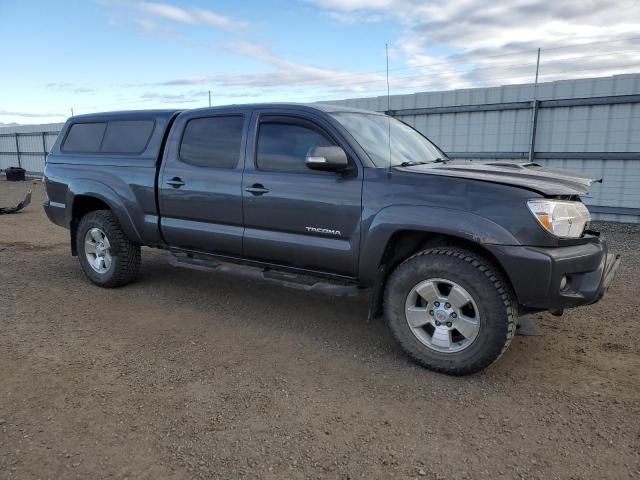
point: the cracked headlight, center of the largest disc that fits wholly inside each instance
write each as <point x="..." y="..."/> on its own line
<point x="562" y="218"/>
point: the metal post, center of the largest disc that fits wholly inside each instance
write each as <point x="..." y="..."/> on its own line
<point x="534" y="112"/>
<point x="15" y="135"/>
<point x="44" y="149"/>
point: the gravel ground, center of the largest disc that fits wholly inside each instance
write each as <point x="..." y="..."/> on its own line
<point x="189" y="374"/>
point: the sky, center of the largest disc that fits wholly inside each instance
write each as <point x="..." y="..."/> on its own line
<point x="100" y="55"/>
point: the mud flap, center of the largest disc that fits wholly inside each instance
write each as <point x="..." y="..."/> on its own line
<point x="377" y="292"/>
<point x="528" y="328"/>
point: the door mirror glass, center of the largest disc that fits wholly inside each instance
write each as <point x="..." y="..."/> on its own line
<point x="328" y="159"/>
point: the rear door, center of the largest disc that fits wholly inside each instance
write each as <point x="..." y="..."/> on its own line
<point x="200" y="181"/>
<point x="295" y="216"/>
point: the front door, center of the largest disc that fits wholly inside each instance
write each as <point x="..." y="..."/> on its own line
<point x="293" y="215"/>
<point x="199" y="186"/>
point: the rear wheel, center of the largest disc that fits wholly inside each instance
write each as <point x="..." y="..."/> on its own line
<point x="450" y="310"/>
<point x="108" y="258"/>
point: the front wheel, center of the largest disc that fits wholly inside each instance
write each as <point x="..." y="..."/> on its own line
<point x="450" y="310"/>
<point x="108" y="258"/>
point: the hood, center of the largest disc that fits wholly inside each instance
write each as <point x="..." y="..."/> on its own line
<point x="547" y="181"/>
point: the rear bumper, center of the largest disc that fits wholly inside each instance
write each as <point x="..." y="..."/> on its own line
<point x="56" y="212"/>
<point x="536" y="274"/>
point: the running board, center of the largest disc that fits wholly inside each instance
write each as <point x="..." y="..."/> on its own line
<point x="291" y="280"/>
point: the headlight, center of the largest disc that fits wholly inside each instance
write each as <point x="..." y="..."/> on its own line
<point x="562" y="218"/>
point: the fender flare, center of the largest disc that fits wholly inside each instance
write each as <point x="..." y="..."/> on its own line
<point x="122" y="204"/>
<point x="436" y="220"/>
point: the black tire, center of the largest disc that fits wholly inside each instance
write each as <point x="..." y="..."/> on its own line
<point x="126" y="255"/>
<point x="489" y="290"/>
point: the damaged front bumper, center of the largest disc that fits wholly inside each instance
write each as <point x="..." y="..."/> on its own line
<point x="611" y="265"/>
<point x="558" y="278"/>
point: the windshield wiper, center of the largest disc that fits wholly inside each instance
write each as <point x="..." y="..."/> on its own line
<point x="411" y="163"/>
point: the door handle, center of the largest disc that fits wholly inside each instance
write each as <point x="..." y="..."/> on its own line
<point x="175" y="182"/>
<point x="257" y="189"/>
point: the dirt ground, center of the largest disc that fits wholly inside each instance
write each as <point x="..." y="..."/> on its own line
<point x="189" y="374"/>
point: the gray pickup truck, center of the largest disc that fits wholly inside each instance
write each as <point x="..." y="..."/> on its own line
<point x="335" y="199"/>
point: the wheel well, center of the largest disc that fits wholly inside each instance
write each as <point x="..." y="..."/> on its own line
<point x="405" y="243"/>
<point x="83" y="204"/>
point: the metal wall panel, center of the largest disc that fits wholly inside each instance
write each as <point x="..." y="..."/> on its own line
<point x="8" y="160"/>
<point x="32" y="163"/>
<point x="33" y="141"/>
<point x="50" y="139"/>
<point x="506" y="129"/>
<point x="48" y="127"/>
<point x="7" y="144"/>
<point x="496" y="121"/>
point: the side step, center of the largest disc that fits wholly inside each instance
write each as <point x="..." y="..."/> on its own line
<point x="291" y="280"/>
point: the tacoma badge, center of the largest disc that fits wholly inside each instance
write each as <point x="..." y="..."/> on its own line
<point x="323" y="230"/>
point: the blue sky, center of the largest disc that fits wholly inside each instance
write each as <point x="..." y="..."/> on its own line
<point x="111" y="54"/>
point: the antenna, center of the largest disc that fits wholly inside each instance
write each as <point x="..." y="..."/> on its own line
<point x="386" y="51"/>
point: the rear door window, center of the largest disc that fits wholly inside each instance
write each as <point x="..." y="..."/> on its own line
<point x="127" y="136"/>
<point x="84" y="137"/>
<point x="212" y="141"/>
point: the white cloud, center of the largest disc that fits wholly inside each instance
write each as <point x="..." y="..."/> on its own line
<point x="284" y="73"/>
<point x="68" y="88"/>
<point x="169" y="98"/>
<point x="9" y="113"/>
<point x="195" y="16"/>
<point x="464" y="43"/>
<point x="146" y="26"/>
<point x="442" y="44"/>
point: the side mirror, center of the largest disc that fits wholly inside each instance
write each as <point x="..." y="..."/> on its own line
<point x="327" y="159"/>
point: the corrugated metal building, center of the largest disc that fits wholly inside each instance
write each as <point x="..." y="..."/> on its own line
<point x="590" y="125"/>
<point x="26" y="145"/>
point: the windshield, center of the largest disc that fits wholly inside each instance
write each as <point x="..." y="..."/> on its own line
<point x="371" y="131"/>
